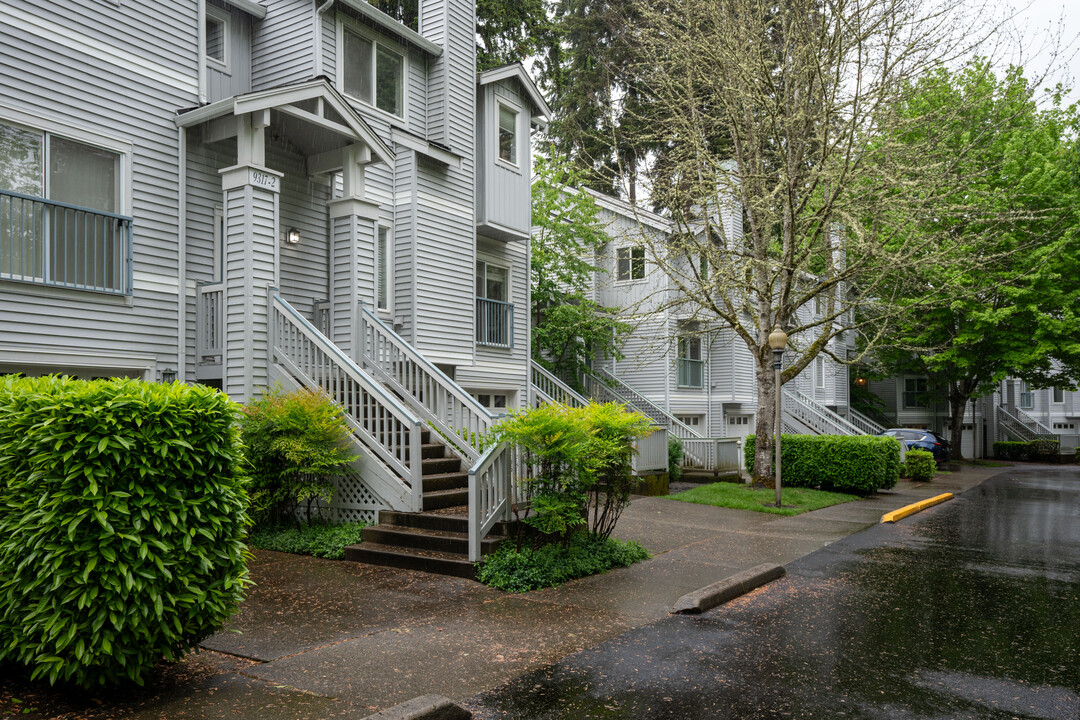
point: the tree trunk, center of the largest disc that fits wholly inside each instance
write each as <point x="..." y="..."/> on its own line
<point x="957" y="403"/>
<point x="764" y="447"/>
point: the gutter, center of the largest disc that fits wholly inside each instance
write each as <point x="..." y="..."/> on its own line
<point x="181" y="271"/>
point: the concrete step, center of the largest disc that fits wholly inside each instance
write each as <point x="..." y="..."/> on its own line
<point x="457" y="522"/>
<point x="431" y="561"/>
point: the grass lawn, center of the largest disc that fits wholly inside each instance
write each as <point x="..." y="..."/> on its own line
<point x="741" y="497"/>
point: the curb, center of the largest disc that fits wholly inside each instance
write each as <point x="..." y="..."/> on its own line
<point x="914" y="508"/>
<point x="730" y="588"/>
<point x="425" y="707"/>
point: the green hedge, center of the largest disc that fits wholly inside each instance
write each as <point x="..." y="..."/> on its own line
<point x="859" y="464"/>
<point x="920" y="465"/>
<point x="1014" y="451"/>
<point x="122" y="518"/>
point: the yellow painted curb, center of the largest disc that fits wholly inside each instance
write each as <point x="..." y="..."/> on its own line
<point x="914" y="508"/>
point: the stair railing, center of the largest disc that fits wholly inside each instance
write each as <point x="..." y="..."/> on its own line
<point x="1022" y="426"/>
<point x="864" y="423"/>
<point x="815" y="416"/>
<point x="495" y="490"/>
<point x="381" y="425"/>
<point x="1035" y="425"/>
<point x="609" y="388"/>
<point x="428" y="391"/>
<point x="554" y="389"/>
<point x="715" y="455"/>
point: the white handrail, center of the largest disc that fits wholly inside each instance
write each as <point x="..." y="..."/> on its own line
<point x="379" y="422"/>
<point x="816" y="416"/>
<point x="625" y="394"/>
<point x="494" y="491"/>
<point x="430" y="393"/>
<point x="712" y="454"/>
<point x="209" y="326"/>
<point x="554" y="388"/>
<point x="864" y="423"/>
<point x="1034" y="424"/>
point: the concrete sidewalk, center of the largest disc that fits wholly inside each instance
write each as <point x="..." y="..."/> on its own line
<point x="324" y="639"/>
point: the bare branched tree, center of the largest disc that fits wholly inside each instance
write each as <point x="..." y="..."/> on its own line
<point x="790" y="170"/>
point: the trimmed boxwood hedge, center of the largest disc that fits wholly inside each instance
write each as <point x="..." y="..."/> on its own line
<point x="122" y="518"/>
<point x="1014" y="451"/>
<point x="920" y="465"/>
<point x="859" y="464"/>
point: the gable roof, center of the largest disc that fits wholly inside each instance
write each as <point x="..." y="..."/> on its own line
<point x="517" y="71"/>
<point x="279" y="97"/>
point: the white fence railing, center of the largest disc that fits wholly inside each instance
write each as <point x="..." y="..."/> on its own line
<point x="428" y="391"/>
<point x="817" y="418"/>
<point x="716" y="455"/>
<point x="607" y="387"/>
<point x="209" y="322"/>
<point x="551" y="387"/>
<point x="381" y="425"/>
<point x="1021" y="426"/>
<point x="864" y="423"/>
<point x="651" y="453"/>
<point x="495" y="489"/>
<point x="1035" y="425"/>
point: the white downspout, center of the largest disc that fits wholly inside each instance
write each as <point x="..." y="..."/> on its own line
<point x="316" y="38"/>
<point x="200" y="62"/>
<point x="181" y="293"/>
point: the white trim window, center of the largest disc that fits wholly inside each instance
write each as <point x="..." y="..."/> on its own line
<point x="915" y="390"/>
<point x="690" y="368"/>
<point x="371" y="70"/>
<point x="494" y="311"/>
<point x="819" y="372"/>
<point x="1058" y="396"/>
<point x="497" y="402"/>
<point x="60" y="220"/>
<point x="630" y="263"/>
<point x="217" y="38"/>
<point x="383" y="272"/>
<point x="508" y="134"/>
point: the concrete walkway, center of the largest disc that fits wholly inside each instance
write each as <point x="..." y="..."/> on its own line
<point x="321" y="639"/>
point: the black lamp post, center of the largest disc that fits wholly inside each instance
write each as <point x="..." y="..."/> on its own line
<point x="778" y="343"/>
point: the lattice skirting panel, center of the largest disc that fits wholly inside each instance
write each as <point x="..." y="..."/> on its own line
<point x="353" y="501"/>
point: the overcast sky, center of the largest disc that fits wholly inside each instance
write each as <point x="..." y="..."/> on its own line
<point x="1043" y="23"/>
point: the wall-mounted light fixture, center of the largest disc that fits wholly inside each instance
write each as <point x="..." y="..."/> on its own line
<point x="292" y="236"/>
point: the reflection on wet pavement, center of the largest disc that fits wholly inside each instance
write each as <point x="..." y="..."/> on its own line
<point x="970" y="610"/>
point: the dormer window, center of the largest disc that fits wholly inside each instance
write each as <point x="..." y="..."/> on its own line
<point x="217" y="36"/>
<point x="508" y="144"/>
<point x="372" y="72"/>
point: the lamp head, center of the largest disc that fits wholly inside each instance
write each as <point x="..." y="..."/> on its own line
<point x="778" y="340"/>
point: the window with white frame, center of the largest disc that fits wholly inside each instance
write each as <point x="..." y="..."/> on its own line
<point x="1027" y="397"/>
<point x="1064" y="426"/>
<point x="59" y="200"/>
<point x="372" y="71"/>
<point x="691" y="421"/>
<point x="494" y="401"/>
<point x="630" y="263"/>
<point x="690" y="368"/>
<point x="382" y="269"/>
<point x="915" y="390"/>
<point x="508" y="135"/>
<point x="494" y="312"/>
<point x="1059" y="395"/>
<point x="217" y="36"/>
<point x="819" y="372"/>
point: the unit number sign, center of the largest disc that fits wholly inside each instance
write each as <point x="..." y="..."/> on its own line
<point x="262" y="179"/>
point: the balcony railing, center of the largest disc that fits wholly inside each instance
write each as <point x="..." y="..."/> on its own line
<point x="53" y="243"/>
<point x="494" y="323"/>
<point x="690" y="373"/>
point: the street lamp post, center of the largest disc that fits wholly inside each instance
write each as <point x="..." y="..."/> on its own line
<point x="778" y="343"/>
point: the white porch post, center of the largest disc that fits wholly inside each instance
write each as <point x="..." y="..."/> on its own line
<point x="352" y="238"/>
<point x="251" y="259"/>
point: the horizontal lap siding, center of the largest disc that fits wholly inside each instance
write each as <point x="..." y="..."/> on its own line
<point x="513" y="256"/>
<point x="647" y="364"/>
<point x="282" y="50"/>
<point x="304" y="266"/>
<point x="56" y="65"/>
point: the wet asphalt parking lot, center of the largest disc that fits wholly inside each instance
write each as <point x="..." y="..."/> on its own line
<point x="968" y="610"/>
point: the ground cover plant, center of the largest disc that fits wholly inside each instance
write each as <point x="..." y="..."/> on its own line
<point x="520" y="569"/>
<point x="318" y="539"/>
<point x="843" y="463"/>
<point x="122" y="524"/>
<point x="743" y="497"/>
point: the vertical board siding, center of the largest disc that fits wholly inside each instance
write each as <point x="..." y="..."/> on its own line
<point x="221" y="84"/>
<point x="281" y="46"/>
<point x="57" y="71"/>
<point x="503" y="196"/>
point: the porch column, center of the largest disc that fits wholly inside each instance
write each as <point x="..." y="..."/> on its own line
<point x="352" y="240"/>
<point x="251" y="260"/>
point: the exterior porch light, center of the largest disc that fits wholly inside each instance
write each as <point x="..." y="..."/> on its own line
<point x="778" y="343"/>
<point x="292" y="236"/>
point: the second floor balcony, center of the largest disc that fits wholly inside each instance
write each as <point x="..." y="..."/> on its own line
<point x="45" y="242"/>
<point x="494" y="323"/>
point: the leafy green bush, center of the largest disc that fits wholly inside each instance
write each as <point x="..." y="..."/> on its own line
<point x="122" y="524"/>
<point x="515" y="570"/>
<point x="583" y="459"/>
<point x="296" y="443"/>
<point x="674" y="458"/>
<point x="1045" y="449"/>
<point x="1013" y="451"/>
<point x="919" y="465"/>
<point x="318" y="539"/>
<point x="859" y="464"/>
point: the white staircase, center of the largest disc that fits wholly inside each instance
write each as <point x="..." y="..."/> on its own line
<point x="1022" y="427"/>
<point x="803" y="415"/>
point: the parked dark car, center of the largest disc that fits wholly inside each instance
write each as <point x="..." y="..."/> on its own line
<point x="923" y="440"/>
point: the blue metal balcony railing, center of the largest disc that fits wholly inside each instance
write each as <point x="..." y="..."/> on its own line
<point x="52" y="243"/>
<point x="689" y="373"/>
<point x="494" y="323"/>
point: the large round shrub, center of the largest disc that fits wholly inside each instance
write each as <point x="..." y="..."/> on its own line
<point x="860" y="464"/>
<point x="122" y="517"/>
